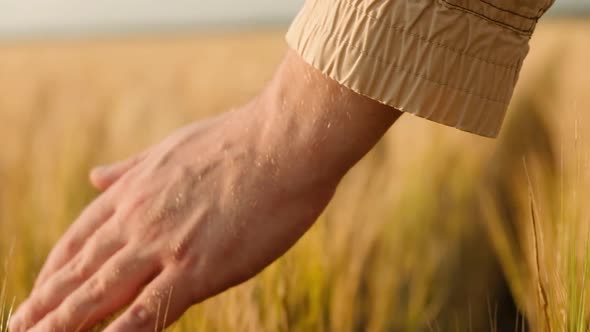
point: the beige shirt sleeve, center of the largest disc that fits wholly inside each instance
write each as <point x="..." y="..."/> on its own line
<point x="455" y="62"/>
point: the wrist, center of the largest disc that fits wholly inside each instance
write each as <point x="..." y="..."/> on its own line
<point x="324" y="124"/>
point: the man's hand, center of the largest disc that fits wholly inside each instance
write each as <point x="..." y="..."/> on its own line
<point x="205" y="209"/>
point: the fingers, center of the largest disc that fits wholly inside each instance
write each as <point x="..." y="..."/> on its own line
<point x="107" y="291"/>
<point x="160" y="304"/>
<point x="71" y="243"/>
<point x="46" y="298"/>
<point x="103" y="177"/>
<point x="90" y="219"/>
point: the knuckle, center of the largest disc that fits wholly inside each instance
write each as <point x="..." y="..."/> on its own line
<point x="80" y="270"/>
<point x="97" y="289"/>
<point x="89" y="252"/>
<point x="178" y="253"/>
<point x="129" y="207"/>
<point x="157" y="298"/>
<point x="55" y="322"/>
<point x="115" y="273"/>
<point x="139" y="316"/>
<point x="151" y="232"/>
<point x="67" y="313"/>
<point x="71" y="247"/>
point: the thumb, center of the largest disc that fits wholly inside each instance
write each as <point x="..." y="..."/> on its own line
<point x="102" y="177"/>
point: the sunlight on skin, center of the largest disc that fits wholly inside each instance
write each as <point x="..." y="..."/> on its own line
<point x="207" y="208"/>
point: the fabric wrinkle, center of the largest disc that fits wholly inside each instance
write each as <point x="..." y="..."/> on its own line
<point x="455" y="62"/>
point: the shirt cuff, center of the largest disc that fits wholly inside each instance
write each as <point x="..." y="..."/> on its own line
<point x="433" y="59"/>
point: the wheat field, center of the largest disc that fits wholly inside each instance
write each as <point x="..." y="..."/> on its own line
<point x="450" y="233"/>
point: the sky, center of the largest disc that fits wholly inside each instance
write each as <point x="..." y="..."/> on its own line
<point x="28" y="17"/>
<point x="46" y="17"/>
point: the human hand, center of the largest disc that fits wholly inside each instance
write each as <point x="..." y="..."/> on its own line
<point x="205" y="209"/>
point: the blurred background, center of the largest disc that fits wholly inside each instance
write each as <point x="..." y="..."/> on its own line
<point x="450" y="233"/>
<point x="43" y="18"/>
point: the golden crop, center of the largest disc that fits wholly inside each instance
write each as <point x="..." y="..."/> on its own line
<point x="448" y="233"/>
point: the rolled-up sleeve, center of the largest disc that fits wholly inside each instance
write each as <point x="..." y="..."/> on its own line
<point x="455" y="62"/>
